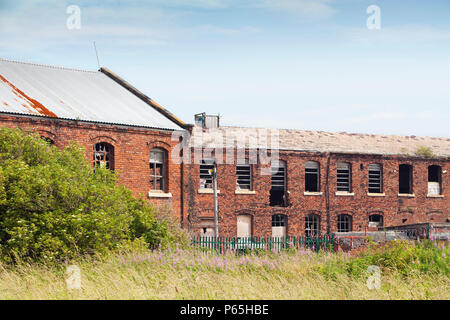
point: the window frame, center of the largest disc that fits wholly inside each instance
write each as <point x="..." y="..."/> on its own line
<point x="339" y="177"/>
<point x="312" y="219"/>
<point x="108" y="155"/>
<point x="375" y="180"/>
<point x="410" y="178"/>
<point x="239" y="176"/>
<point x="312" y="165"/>
<point x="162" y="177"/>
<point x="348" y="221"/>
<point x="207" y="164"/>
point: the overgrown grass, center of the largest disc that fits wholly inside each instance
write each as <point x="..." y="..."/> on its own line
<point x="190" y="274"/>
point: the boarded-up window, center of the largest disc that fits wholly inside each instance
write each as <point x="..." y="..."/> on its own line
<point x="312" y="225"/>
<point x="244" y="226"/>
<point x="344" y="223"/>
<point x="375" y="178"/>
<point x="405" y="179"/>
<point x="279" y="225"/>
<point x="344" y="177"/>
<point x="103" y="155"/>
<point x="434" y="180"/>
<point x="244" y="176"/>
<point x="157" y="169"/>
<point x="278" y="189"/>
<point x="312" y="176"/>
<point x="206" y="170"/>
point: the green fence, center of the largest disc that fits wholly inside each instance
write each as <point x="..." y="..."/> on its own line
<point x="223" y="244"/>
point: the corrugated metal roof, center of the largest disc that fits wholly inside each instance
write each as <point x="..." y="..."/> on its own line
<point x="319" y="141"/>
<point x="34" y="89"/>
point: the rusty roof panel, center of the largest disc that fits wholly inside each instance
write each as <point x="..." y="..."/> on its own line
<point x="55" y="92"/>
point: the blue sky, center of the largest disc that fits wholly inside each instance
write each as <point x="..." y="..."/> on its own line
<point x="303" y="64"/>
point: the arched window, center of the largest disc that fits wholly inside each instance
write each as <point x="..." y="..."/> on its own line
<point x="344" y="223"/>
<point x="312" y="225"/>
<point x="48" y="140"/>
<point x="158" y="169"/>
<point x="375" y="220"/>
<point x="103" y="155"/>
<point x="434" y="180"/>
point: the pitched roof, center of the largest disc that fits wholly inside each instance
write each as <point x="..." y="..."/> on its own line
<point x="97" y="96"/>
<point x="319" y="141"/>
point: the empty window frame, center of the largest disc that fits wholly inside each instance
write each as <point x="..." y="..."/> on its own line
<point x="279" y="225"/>
<point x="312" y="225"/>
<point x="375" y="178"/>
<point x="405" y="179"/>
<point x="434" y="180"/>
<point x="344" y="177"/>
<point x="206" y="169"/>
<point x="344" y="223"/>
<point x="312" y="174"/>
<point x="48" y="140"/>
<point x="243" y="176"/>
<point x="375" y="220"/>
<point x="157" y="169"/>
<point x="103" y="155"/>
<point x="278" y="189"/>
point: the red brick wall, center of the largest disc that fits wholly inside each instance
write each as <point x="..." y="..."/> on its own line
<point x="131" y="150"/>
<point x="392" y="207"/>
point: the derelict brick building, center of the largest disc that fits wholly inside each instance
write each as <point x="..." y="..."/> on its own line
<point x="323" y="182"/>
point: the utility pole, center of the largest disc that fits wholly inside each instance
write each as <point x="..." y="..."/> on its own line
<point x="216" y="205"/>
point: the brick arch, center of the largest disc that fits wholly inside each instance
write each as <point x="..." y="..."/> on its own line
<point x="436" y="216"/>
<point x="158" y="144"/>
<point x="107" y="139"/>
<point x="47" y="134"/>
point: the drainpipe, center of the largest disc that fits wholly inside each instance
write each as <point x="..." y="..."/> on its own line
<point x="327" y="190"/>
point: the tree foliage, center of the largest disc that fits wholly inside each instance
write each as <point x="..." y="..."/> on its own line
<point x="53" y="207"/>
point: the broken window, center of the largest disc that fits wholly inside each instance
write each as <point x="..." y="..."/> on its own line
<point x="206" y="171"/>
<point x="278" y="189"/>
<point x="157" y="169"/>
<point x="243" y="176"/>
<point x="279" y="224"/>
<point x="434" y="180"/>
<point x="344" y="177"/>
<point x="312" y="225"/>
<point x="375" y="220"/>
<point x="312" y="176"/>
<point x="103" y="155"/>
<point x="375" y="178"/>
<point x="405" y="179"/>
<point x="344" y="223"/>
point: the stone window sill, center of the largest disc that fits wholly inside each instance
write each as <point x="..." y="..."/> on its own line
<point x="243" y="191"/>
<point x="156" y="194"/>
<point x="439" y="196"/>
<point x="406" y="195"/>
<point x="308" y="193"/>
<point x="207" y="191"/>
<point x="345" y="194"/>
<point x="376" y="194"/>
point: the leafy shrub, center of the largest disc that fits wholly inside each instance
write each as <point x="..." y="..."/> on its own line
<point x="425" y="152"/>
<point x="400" y="257"/>
<point x="53" y="207"/>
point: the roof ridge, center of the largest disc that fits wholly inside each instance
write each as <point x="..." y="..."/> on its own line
<point x="48" y="65"/>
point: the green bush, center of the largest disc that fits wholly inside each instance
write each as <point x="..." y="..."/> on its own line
<point x="53" y="207"/>
<point x="401" y="257"/>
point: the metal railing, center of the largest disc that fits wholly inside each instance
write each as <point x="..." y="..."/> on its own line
<point x="224" y="244"/>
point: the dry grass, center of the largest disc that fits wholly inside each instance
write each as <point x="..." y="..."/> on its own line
<point x="181" y="274"/>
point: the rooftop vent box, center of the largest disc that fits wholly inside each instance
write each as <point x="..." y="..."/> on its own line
<point x="207" y="121"/>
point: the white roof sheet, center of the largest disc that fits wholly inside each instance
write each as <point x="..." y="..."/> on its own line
<point x="35" y="89"/>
